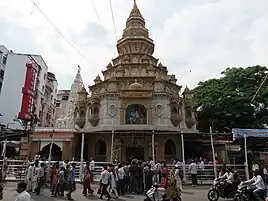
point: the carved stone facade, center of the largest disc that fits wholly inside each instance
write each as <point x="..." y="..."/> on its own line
<point x="136" y="94"/>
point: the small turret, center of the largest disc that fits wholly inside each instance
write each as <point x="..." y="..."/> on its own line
<point x="97" y="80"/>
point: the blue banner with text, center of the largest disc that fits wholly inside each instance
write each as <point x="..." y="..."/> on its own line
<point x="239" y="133"/>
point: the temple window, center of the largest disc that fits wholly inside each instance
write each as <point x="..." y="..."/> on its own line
<point x="95" y="111"/>
<point x="136" y="114"/>
<point x="174" y="111"/>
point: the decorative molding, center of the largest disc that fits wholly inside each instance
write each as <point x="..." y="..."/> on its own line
<point x="112" y="110"/>
<point x="159" y="110"/>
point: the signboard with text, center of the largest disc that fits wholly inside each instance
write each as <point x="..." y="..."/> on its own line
<point x="28" y="93"/>
<point x="239" y="133"/>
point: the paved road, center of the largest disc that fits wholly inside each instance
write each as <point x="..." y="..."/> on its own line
<point x="190" y="194"/>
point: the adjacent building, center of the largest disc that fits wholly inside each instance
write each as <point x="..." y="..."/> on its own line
<point x="61" y="102"/>
<point x="3" y="61"/>
<point x="47" y="115"/>
<point x="136" y="110"/>
<point x="14" y="95"/>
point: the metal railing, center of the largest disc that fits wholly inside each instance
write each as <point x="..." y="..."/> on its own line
<point x="206" y="176"/>
<point x="17" y="169"/>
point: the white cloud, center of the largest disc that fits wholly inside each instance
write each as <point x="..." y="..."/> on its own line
<point x="204" y="36"/>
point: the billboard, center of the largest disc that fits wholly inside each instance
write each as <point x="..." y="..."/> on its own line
<point x="239" y="133"/>
<point x="28" y="93"/>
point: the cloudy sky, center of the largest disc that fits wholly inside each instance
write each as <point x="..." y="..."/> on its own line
<point x="195" y="39"/>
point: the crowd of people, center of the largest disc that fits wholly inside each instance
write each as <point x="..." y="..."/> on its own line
<point x="119" y="178"/>
<point x="116" y="179"/>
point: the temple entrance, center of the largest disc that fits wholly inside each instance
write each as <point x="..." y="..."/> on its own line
<point x="135" y="152"/>
<point x="56" y="152"/>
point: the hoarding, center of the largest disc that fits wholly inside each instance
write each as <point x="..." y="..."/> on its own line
<point x="28" y="93"/>
<point x="239" y="133"/>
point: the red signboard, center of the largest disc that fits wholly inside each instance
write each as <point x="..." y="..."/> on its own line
<point x="28" y="93"/>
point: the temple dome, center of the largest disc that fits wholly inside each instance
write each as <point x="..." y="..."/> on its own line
<point x="136" y="85"/>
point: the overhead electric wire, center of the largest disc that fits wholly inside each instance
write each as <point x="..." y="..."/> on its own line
<point x="112" y="12"/>
<point x="258" y="90"/>
<point x="98" y="17"/>
<point x="60" y="33"/>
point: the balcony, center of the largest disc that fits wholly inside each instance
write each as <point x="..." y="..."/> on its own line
<point x="49" y="86"/>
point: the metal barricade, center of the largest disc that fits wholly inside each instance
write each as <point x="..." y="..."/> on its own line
<point x="17" y="169"/>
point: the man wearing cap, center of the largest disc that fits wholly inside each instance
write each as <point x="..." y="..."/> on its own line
<point x="258" y="182"/>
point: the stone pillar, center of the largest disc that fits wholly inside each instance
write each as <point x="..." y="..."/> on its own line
<point x="34" y="148"/>
<point x="67" y="150"/>
<point x="150" y="114"/>
<point x="122" y="115"/>
<point x="147" y="146"/>
<point x="160" y="147"/>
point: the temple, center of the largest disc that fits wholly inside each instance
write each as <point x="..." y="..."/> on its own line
<point x="136" y="109"/>
<point x="136" y="99"/>
<point x="66" y="120"/>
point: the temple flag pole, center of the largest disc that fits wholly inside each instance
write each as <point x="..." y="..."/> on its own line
<point x="183" y="158"/>
<point x="213" y="153"/>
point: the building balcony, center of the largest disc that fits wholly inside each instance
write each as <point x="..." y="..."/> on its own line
<point x="49" y="85"/>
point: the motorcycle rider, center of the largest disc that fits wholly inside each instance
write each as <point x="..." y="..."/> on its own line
<point x="258" y="182"/>
<point x="229" y="179"/>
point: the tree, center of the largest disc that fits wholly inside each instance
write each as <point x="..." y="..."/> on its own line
<point x="225" y="103"/>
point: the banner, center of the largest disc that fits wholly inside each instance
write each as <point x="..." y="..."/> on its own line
<point x="28" y="93"/>
<point x="239" y="133"/>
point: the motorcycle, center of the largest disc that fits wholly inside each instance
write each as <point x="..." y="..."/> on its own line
<point x="219" y="191"/>
<point x="156" y="194"/>
<point x="245" y="192"/>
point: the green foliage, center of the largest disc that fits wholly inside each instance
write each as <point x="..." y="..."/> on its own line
<point x="224" y="103"/>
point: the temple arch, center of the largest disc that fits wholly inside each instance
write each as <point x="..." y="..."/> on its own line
<point x="56" y="152"/>
<point x="100" y="150"/>
<point x="170" y="150"/>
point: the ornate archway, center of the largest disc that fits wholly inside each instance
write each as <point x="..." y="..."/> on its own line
<point x="170" y="150"/>
<point x="136" y="114"/>
<point x="100" y="150"/>
<point x="56" y="152"/>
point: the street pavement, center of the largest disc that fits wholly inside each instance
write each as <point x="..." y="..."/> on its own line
<point x="189" y="194"/>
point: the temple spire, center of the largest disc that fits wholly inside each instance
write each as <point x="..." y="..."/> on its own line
<point x="135" y="3"/>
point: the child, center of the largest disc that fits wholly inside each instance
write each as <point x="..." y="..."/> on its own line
<point x="23" y="195"/>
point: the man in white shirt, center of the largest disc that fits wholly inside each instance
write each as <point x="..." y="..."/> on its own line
<point x="23" y="195"/>
<point x="105" y="175"/>
<point x="193" y="172"/>
<point x="229" y="179"/>
<point x="258" y="182"/>
<point x="29" y="176"/>
<point x="92" y="168"/>
<point x="178" y="177"/>
<point x="121" y="182"/>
